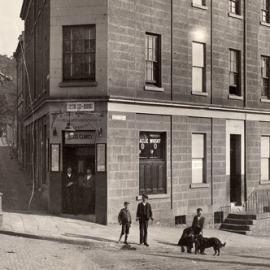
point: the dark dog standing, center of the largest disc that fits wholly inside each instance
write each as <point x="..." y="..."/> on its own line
<point x="201" y="243"/>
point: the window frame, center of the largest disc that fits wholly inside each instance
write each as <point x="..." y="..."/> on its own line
<point x="265" y="10"/>
<point x="236" y="10"/>
<point x="203" y="68"/>
<point x="203" y="3"/>
<point x="156" y="63"/>
<point x="237" y="87"/>
<point x="267" y="59"/>
<point x="265" y="158"/>
<point x="92" y="76"/>
<point x="204" y="159"/>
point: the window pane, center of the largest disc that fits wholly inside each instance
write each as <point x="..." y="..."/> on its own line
<point x="265" y="169"/>
<point x="198" y="2"/>
<point x="197" y="54"/>
<point x="197" y="79"/>
<point x="197" y="145"/>
<point x="197" y="171"/>
<point x="265" y="147"/>
<point x="79" y="47"/>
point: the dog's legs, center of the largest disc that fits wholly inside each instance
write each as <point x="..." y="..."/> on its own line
<point x="215" y="252"/>
<point x="218" y="252"/>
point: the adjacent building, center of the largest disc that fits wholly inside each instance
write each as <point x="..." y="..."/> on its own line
<point x="169" y="98"/>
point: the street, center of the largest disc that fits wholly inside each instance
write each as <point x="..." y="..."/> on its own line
<point x="22" y="253"/>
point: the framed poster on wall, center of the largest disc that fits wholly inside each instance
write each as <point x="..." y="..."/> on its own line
<point x="101" y="157"/>
<point x="55" y="157"/>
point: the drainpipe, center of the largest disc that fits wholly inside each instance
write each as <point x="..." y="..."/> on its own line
<point x="245" y="97"/>
<point x="171" y="127"/>
<point x="212" y="120"/>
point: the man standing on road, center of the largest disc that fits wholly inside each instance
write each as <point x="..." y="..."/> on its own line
<point x="144" y="213"/>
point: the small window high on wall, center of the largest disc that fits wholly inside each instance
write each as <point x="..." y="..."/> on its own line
<point x="152" y="155"/>
<point x="198" y="158"/>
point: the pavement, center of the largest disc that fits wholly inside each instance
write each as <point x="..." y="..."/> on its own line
<point x="74" y="231"/>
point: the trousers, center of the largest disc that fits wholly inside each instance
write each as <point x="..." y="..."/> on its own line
<point x="143" y="231"/>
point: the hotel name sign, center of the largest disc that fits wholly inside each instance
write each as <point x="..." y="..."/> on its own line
<point x="80" y="137"/>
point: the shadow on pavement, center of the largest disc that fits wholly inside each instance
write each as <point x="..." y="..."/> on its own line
<point x="167" y="243"/>
<point x="96" y="238"/>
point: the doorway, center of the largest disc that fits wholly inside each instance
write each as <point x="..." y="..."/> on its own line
<point x="80" y="158"/>
<point x="235" y="169"/>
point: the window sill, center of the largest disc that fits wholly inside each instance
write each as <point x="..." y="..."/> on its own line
<point x="236" y="16"/>
<point x="197" y="93"/>
<point x="78" y="84"/>
<point x="199" y="6"/>
<point x="265" y="24"/>
<point x="265" y="182"/>
<point x="199" y="185"/>
<point x="235" y="97"/>
<point x="265" y="100"/>
<point x="153" y="197"/>
<point x="153" y="88"/>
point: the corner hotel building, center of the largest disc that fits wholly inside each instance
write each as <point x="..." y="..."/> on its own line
<point x="165" y="97"/>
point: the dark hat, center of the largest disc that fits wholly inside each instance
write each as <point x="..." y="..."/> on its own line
<point x="126" y="203"/>
<point x="199" y="209"/>
<point x="145" y="196"/>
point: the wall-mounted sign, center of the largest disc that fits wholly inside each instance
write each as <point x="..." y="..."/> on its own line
<point x="80" y="106"/>
<point x="80" y="137"/>
<point x="55" y="157"/>
<point x="119" y="117"/>
<point x="101" y="157"/>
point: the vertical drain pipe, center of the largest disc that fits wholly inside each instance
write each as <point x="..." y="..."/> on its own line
<point x="212" y="120"/>
<point x="245" y="99"/>
<point x="171" y="125"/>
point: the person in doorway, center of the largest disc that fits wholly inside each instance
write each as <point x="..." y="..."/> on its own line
<point x="144" y="213"/>
<point x="124" y="219"/>
<point x="190" y="233"/>
<point x="69" y="191"/>
<point x="88" y="193"/>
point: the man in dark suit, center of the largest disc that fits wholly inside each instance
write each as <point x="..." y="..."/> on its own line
<point x="198" y="222"/>
<point x="190" y="233"/>
<point x="144" y="213"/>
<point x="69" y="188"/>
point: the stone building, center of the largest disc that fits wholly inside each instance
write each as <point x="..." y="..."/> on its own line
<point x="169" y="98"/>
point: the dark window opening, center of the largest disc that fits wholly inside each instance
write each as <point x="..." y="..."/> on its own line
<point x="265" y="76"/>
<point x="235" y="7"/>
<point x="234" y="76"/>
<point x="153" y="59"/>
<point x="79" y="53"/>
<point x="265" y="11"/>
<point x="180" y="220"/>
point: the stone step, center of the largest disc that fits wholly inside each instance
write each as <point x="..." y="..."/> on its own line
<point x="235" y="227"/>
<point x="238" y="231"/>
<point x="242" y="216"/>
<point x="239" y="221"/>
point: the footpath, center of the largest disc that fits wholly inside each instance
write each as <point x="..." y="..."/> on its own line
<point x="79" y="232"/>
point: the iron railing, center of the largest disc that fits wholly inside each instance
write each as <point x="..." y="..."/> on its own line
<point x="258" y="202"/>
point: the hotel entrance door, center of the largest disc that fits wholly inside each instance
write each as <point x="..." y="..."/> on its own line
<point x="81" y="159"/>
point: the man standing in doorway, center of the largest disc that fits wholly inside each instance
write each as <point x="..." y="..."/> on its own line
<point x="144" y="213"/>
<point x="69" y="183"/>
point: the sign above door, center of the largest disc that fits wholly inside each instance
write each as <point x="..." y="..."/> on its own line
<point x="80" y="137"/>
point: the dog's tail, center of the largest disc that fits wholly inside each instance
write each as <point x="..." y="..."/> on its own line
<point x="223" y="245"/>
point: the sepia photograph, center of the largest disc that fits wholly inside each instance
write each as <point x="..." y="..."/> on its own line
<point x="134" y="134"/>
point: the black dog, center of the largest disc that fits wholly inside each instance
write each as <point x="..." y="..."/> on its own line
<point x="201" y="243"/>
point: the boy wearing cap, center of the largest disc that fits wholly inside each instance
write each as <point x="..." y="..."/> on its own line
<point x="144" y="213"/>
<point x="124" y="219"/>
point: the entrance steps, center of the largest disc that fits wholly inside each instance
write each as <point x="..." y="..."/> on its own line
<point x="244" y="223"/>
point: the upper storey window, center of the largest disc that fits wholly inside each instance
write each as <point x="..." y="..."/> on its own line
<point x="198" y="67"/>
<point x="153" y="59"/>
<point x="235" y="73"/>
<point x="235" y="7"/>
<point x="265" y="76"/>
<point x="198" y="2"/>
<point x="79" y="53"/>
<point x="265" y="11"/>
